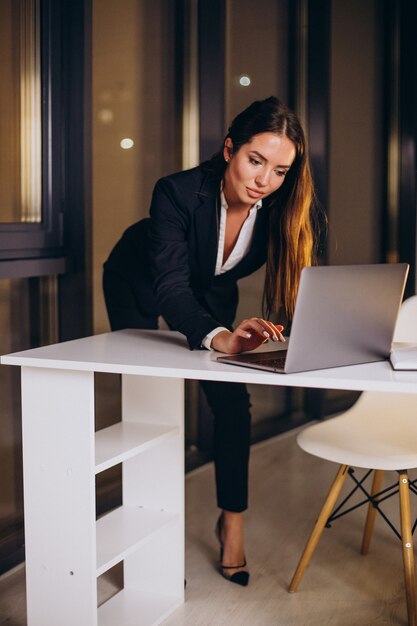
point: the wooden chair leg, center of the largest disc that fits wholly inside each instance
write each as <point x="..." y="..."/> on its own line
<point x="319" y="527"/>
<point x="370" y="518"/>
<point x="407" y="545"/>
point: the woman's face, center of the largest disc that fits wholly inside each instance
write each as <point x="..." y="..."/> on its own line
<point x="257" y="169"/>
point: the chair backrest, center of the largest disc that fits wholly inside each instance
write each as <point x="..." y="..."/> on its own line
<point x="406" y="328"/>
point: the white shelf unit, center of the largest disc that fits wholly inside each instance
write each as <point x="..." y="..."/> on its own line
<point x="66" y="548"/>
<point x="124" y="440"/>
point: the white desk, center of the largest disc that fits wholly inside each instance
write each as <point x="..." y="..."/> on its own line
<point x="66" y="549"/>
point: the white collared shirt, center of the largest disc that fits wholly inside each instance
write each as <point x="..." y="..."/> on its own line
<point x="244" y="239"/>
<point x="240" y="249"/>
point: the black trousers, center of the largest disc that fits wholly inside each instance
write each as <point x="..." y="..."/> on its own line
<point x="229" y="402"/>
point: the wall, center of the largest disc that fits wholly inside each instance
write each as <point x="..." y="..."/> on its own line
<point x="356" y="109"/>
<point x="134" y="97"/>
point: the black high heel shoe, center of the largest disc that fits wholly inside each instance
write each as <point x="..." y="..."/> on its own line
<point x="240" y="578"/>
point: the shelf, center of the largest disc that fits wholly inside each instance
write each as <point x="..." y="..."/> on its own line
<point x="132" y="607"/>
<point x="126" y="439"/>
<point x="122" y="531"/>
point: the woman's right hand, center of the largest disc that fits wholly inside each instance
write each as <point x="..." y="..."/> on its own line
<point x="250" y="334"/>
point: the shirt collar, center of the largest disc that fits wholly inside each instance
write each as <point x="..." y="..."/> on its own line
<point x="224" y="205"/>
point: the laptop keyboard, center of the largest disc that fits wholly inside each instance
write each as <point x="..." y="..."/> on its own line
<point x="277" y="362"/>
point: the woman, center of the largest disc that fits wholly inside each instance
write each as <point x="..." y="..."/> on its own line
<point x="210" y="226"/>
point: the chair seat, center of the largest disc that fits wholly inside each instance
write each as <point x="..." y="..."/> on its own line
<point x="378" y="432"/>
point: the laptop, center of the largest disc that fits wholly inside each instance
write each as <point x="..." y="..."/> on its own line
<point x="344" y="315"/>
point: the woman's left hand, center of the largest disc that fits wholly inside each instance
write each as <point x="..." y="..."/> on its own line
<point x="250" y="334"/>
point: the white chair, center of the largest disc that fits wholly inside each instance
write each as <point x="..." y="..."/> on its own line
<point x="378" y="433"/>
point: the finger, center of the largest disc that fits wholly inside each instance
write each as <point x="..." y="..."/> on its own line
<point x="277" y="332"/>
<point x="271" y="330"/>
<point x="241" y="332"/>
<point x="274" y="330"/>
<point x="279" y="328"/>
<point x="281" y="337"/>
<point x="253" y="325"/>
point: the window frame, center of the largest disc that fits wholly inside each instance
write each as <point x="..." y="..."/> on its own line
<point x="33" y="240"/>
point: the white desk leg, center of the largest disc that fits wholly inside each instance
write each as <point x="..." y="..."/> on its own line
<point x="58" y="467"/>
<point x="155" y="479"/>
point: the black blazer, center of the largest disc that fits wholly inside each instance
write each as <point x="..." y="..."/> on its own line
<point x="173" y="254"/>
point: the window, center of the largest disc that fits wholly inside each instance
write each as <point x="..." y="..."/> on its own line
<point x="30" y="222"/>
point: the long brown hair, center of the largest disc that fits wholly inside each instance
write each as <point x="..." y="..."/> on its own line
<point x="292" y="207"/>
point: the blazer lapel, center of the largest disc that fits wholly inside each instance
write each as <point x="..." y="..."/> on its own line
<point x="206" y="222"/>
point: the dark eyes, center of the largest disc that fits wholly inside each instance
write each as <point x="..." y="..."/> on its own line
<point x="256" y="162"/>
